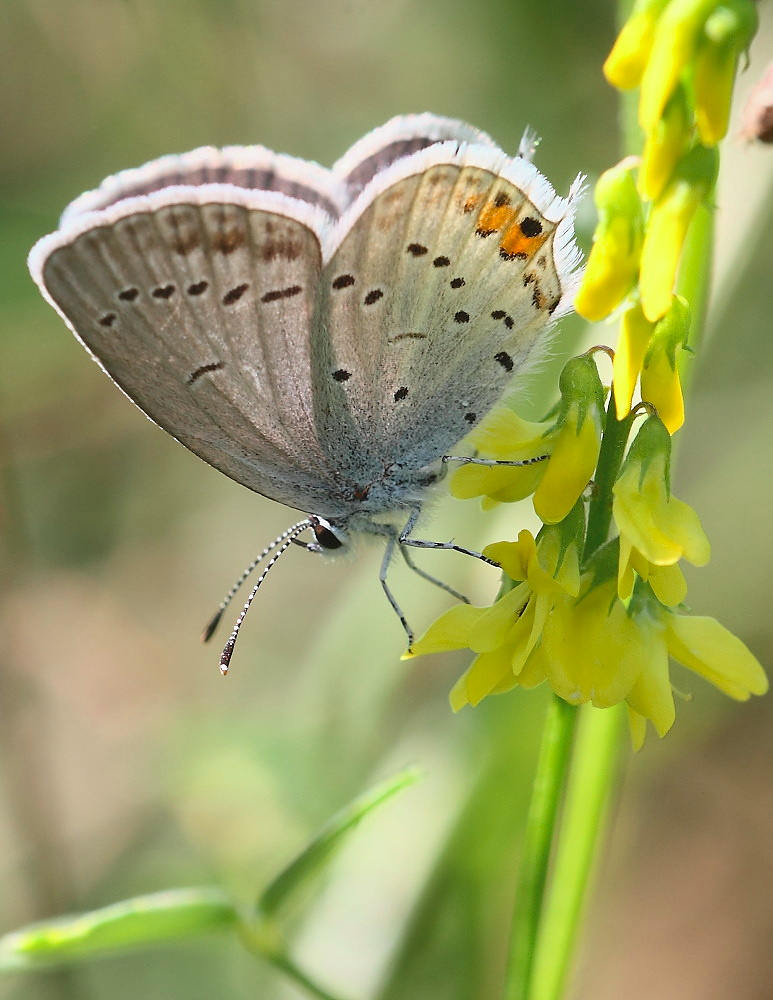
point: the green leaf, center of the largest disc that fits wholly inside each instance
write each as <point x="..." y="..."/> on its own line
<point x="314" y="856"/>
<point x="132" y="923"/>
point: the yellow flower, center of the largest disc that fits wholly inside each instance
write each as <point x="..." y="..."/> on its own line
<point x="613" y="264"/>
<point x="702" y="645"/>
<point x="727" y="32"/>
<point x="504" y="437"/>
<point x="667" y="227"/>
<point x="673" y="49"/>
<point x="594" y="649"/>
<point x="635" y="333"/>
<point x="660" y="384"/>
<point x="571" y="438"/>
<point x="656" y="529"/>
<point x="577" y="443"/>
<point x="625" y="63"/>
<point x="665" y="145"/>
<point x="505" y="634"/>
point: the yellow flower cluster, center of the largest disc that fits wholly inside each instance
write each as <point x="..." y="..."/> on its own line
<point x="602" y="629"/>
<point x="595" y="606"/>
<point x="683" y="54"/>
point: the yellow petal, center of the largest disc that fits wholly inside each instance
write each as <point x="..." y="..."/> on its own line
<point x="635" y="331"/>
<point x="514" y="557"/>
<point x="673" y="49"/>
<point x="592" y="649"/>
<point x="651" y="696"/>
<point x="450" y="631"/>
<point x="486" y="672"/>
<point x="491" y="629"/>
<point x="637" y="726"/>
<point x="668" y="584"/>
<point x="569" y="470"/>
<point x="503" y="435"/>
<point x="708" y="648"/>
<point x="663" y="242"/>
<point x="625" y="63"/>
<point x="665" y="145"/>
<point x="613" y="264"/>
<point x="728" y="31"/>
<point x="664" y="530"/>
<point x="660" y="385"/>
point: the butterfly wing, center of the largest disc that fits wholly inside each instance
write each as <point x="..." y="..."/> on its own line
<point x="197" y="300"/>
<point x="441" y="283"/>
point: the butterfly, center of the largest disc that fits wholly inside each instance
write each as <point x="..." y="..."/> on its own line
<point x="322" y="336"/>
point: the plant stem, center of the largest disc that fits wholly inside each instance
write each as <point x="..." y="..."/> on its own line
<point x="587" y="804"/>
<point x="540" y="829"/>
<point x="613" y="445"/>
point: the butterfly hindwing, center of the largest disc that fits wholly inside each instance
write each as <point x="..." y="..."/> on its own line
<point x="460" y="265"/>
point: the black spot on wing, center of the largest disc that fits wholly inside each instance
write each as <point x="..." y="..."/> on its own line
<point x="213" y="366"/>
<point x="197" y="288"/>
<point x="401" y="393"/>
<point x="462" y="316"/>
<point x="416" y="249"/>
<point x="407" y="336"/>
<point x="129" y="294"/>
<point x="343" y="281"/>
<point x="505" y="360"/>
<point x="163" y="292"/>
<point x="530" y="226"/>
<point x="235" y="294"/>
<point x="441" y="262"/>
<point x="342" y="375"/>
<point x="107" y="320"/>
<point x="281" y="293"/>
<point x="456" y="282"/>
<point x="373" y="296"/>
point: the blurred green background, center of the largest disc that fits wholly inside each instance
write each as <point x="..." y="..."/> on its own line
<point x="128" y="765"/>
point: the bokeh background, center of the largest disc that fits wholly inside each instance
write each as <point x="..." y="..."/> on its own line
<point x="128" y="765"/>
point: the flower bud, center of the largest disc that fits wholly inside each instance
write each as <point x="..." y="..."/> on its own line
<point x="665" y="145"/>
<point x="727" y="33"/>
<point x="625" y="63"/>
<point x="613" y="264"/>
<point x="667" y="226"/>
<point x="660" y="384"/>
<point x="577" y="442"/>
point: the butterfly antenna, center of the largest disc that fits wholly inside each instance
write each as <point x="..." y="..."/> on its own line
<point x="214" y="621"/>
<point x="283" y="543"/>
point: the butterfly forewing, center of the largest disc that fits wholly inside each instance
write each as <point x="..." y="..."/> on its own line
<point x="201" y="314"/>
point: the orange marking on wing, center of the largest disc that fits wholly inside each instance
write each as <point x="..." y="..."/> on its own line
<point x="471" y="203"/>
<point x="494" y="217"/>
<point x="515" y="242"/>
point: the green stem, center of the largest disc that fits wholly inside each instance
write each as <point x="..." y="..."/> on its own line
<point x="540" y="830"/>
<point x="587" y="804"/>
<point x="613" y="445"/>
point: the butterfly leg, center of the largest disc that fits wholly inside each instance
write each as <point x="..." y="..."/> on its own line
<point x="493" y="462"/>
<point x="431" y="579"/>
<point x="420" y="543"/>
<point x="390" y="549"/>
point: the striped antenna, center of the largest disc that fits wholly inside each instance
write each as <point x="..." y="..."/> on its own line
<point x="281" y="545"/>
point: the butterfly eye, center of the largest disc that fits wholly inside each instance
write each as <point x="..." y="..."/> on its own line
<point x="327" y="538"/>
